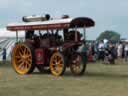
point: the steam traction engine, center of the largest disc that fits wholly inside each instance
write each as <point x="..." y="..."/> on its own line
<point x="50" y="44"/>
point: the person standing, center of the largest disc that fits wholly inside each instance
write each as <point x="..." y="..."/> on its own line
<point x="4" y="55"/>
<point x="93" y="53"/>
<point x="111" y="53"/>
<point x="101" y="49"/>
<point x="120" y="50"/>
<point x="126" y="51"/>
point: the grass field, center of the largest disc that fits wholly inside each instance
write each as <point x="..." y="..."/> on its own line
<point x="99" y="80"/>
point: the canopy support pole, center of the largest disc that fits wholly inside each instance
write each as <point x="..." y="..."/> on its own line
<point x="84" y="29"/>
<point x="76" y="37"/>
<point x="16" y="36"/>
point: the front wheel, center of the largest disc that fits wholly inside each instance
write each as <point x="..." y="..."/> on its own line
<point x="57" y="64"/>
<point x="23" y="58"/>
<point x="77" y="64"/>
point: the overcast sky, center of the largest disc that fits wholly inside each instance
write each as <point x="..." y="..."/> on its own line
<point x="108" y="14"/>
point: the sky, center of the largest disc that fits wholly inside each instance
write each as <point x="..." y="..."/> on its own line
<point x="107" y="14"/>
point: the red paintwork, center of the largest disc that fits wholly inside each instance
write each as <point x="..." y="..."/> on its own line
<point x="38" y="27"/>
<point x="39" y="56"/>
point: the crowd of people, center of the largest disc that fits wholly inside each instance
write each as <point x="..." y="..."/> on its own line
<point x="105" y="51"/>
<point x="108" y="51"/>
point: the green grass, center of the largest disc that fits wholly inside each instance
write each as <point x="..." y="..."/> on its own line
<point x="99" y="80"/>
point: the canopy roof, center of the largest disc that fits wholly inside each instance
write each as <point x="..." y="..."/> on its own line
<point x="53" y="24"/>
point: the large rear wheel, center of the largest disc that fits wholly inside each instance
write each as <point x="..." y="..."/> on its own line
<point x="57" y="64"/>
<point x="23" y="58"/>
<point x="77" y="64"/>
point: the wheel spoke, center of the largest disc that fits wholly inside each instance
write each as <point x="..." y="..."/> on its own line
<point x="19" y="61"/>
<point x="29" y="57"/>
<point x="29" y="60"/>
<point x="27" y="65"/>
<point x="55" y="58"/>
<point x="21" y="50"/>
<point x="20" y="53"/>
<point x="53" y="64"/>
<point x="78" y="68"/>
<point x="60" y="65"/>
<point x="78" y="59"/>
<point x="21" y="65"/>
<point x="18" y="57"/>
<point x="60" y="62"/>
<point x="59" y="58"/>
<point x="26" y="51"/>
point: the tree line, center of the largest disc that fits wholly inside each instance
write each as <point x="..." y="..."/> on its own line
<point x="109" y="35"/>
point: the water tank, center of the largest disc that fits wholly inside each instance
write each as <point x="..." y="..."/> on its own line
<point x="35" y="18"/>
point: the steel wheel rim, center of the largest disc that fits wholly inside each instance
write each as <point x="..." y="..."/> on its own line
<point x="56" y="64"/>
<point x="22" y="59"/>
